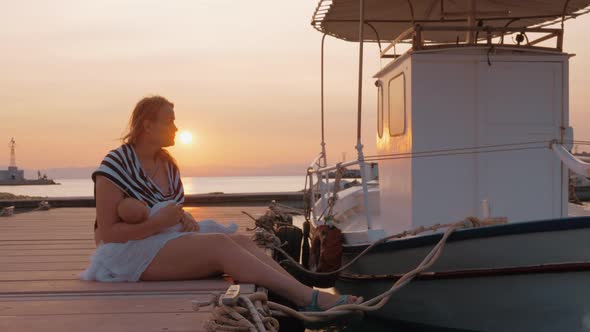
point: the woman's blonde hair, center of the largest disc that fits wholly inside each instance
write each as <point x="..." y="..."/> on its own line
<point x="146" y="109"/>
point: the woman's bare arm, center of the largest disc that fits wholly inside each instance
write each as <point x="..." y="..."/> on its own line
<point x="110" y="227"/>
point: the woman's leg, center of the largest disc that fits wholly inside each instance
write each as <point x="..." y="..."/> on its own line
<point x="246" y="242"/>
<point x="198" y="256"/>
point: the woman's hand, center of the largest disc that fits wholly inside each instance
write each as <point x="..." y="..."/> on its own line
<point x="170" y="215"/>
<point x="189" y="224"/>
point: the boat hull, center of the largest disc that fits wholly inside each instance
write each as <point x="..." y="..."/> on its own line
<point x="515" y="277"/>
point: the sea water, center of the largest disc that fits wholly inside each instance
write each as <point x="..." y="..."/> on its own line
<point x="192" y="185"/>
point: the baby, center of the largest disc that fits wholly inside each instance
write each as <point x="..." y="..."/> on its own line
<point x="134" y="211"/>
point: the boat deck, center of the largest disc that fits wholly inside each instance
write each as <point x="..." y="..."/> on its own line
<point x="41" y="255"/>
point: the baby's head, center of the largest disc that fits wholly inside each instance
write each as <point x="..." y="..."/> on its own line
<point x="133" y="211"/>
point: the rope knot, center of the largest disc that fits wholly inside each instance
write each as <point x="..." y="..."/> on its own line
<point x="471" y="222"/>
<point x="250" y="313"/>
<point x="266" y="239"/>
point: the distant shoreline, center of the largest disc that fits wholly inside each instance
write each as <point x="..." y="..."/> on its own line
<point x="192" y="185"/>
<point x="9" y="196"/>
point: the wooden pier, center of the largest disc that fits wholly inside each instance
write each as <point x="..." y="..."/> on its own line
<point x="43" y="252"/>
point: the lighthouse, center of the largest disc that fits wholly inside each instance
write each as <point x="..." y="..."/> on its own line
<point x="13" y="172"/>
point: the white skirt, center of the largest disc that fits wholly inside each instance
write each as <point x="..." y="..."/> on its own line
<point x="116" y="262"/>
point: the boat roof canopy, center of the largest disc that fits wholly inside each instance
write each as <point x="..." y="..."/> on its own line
<point x="387" y="19"/>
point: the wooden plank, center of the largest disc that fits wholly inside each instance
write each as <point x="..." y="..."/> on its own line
<point x="44" y="242"/>
<point x="69" y="286"/>
<point x="19" y="245"/>
<point x="128" y="322"/>
<point x="86" y="252"/>
<point x="115" y="304"/>
<point x="39" y="275"/>
<point x="80" y="266"/>
<point x="43" y="259"/>
<point x="56" y="236"/>
<point x="36" y="230"/>
<point x="35" y="225"/>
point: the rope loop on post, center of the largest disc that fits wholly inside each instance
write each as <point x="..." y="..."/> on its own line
<point x="251" y="313"/>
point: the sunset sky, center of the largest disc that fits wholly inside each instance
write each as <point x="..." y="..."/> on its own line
<point x="243" y="75"/>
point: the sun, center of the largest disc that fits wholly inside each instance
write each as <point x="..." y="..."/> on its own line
<point x="185" y="137"/>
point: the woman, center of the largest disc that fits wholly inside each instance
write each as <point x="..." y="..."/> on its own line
<point x="142" y="169"/>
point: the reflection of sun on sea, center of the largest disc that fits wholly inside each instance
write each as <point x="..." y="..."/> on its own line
<point x="184" y="137"/>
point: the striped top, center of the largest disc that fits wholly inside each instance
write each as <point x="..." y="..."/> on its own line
<point x="122" y="167"/>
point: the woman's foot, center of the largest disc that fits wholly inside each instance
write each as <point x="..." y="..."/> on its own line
<point x="321" y="301"/>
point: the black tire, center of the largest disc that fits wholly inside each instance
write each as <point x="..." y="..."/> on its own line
<point x="305" y="246"/>
<point x="293" y="236"/>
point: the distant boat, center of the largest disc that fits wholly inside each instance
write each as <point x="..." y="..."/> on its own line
<point x="582" y="193"/>
<point x="25" y="182"/>
<point x="580" y="182"/>
<point x="15" y="177"/>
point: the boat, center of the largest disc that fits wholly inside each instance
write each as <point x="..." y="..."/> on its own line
<point x="473" y="128"/>
<point x="580" y="183"/>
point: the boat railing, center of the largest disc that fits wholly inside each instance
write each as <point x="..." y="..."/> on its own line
<point x="477" y="36"/>
<point x="320" y="190"/>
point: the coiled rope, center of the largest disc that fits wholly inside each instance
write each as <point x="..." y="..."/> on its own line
<point x="251" y="313"/>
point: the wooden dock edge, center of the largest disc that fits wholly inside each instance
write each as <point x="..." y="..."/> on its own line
<point x="293" y="199"/>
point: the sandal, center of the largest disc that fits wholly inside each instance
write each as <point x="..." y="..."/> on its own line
<point x="314" y="306"/>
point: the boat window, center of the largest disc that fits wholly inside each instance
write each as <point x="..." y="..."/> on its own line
<point x="397" y="105"/>
<point x="380" y="110"/>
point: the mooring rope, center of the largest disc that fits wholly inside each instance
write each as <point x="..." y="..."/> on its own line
<point x="475" y="221"/>
<point x="379" y="301"/>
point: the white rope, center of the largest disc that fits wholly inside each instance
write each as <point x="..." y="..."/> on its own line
<point x="285" y="209"/>
<point x="469" y="149"/>
<point x="446" y="154"/>
<point x="332" y="200"/>
<point x="576" y="165"/>
<point x="251" y="313"/>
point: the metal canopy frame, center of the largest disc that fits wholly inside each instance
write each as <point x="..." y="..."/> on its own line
<point x="469" y="15"/>
<point x="415" y="35"/>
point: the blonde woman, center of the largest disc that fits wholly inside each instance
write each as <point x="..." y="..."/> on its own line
<point x="143" y="170"/>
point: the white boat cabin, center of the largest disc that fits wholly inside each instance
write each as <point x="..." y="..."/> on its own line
<point x="476" y="122"/>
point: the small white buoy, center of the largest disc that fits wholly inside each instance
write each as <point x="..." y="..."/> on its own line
<point x="7" y="211"/>
<point x="44" y="205"/>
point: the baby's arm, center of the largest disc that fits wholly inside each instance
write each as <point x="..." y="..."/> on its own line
<point x="189" y="224"/>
